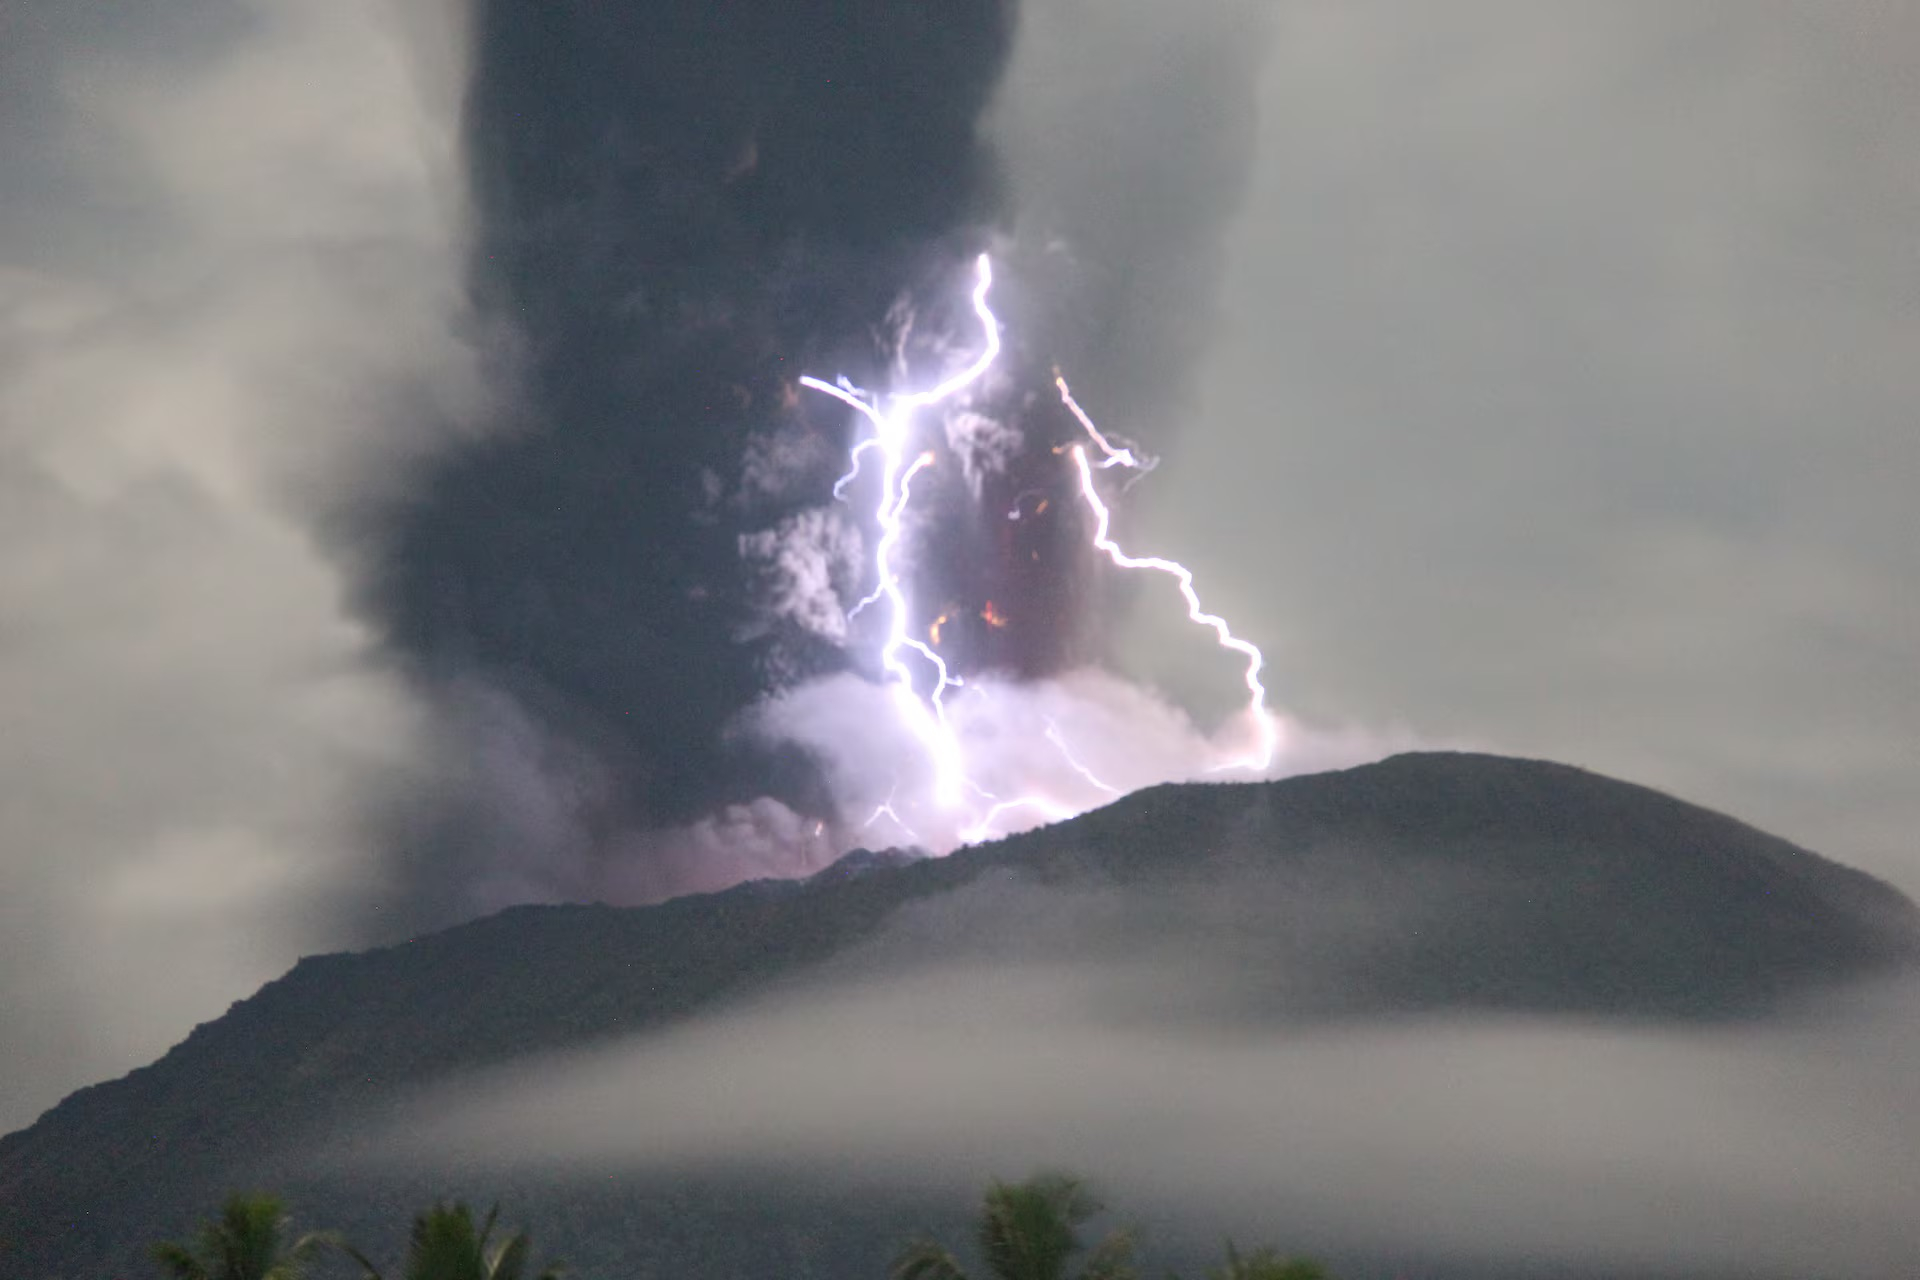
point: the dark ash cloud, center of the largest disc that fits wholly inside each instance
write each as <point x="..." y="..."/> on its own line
<point x="679" y="212"/>
<point x="681" y="209"/>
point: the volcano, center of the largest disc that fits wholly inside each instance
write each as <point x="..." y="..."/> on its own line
<point x="1469" y="883"/>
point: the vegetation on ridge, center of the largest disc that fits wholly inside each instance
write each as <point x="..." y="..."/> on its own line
<point x="1026" y="1230"/>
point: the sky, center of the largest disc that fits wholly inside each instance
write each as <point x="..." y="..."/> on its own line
<point x="372" y="552"/>
<point x="1560" y="389"/>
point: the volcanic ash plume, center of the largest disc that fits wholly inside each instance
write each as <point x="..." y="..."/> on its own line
<point x="772" y="462"/>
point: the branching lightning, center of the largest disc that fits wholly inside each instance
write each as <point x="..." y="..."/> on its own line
<point x="1110" y="456"/>
<point x="1059" y="740"/>
<point x="893" y="430"/>
<point x="1266" y="730"/>
<point x="893" y="421"/>
<point x="885" y="809"/>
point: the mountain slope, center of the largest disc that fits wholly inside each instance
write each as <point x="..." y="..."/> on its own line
<point x="1487" y="883"/>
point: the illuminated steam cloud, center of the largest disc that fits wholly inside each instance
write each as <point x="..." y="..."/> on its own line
<point x="966" y="758"/>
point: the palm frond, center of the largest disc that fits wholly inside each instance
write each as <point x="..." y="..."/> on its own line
<point x="178" y="1261"/>
<point x="486" y="1228"/>
<point x="299" y="1259"/>
<point x="444" y="1245"/>
<point x="249" y="1234"/>
<point x="246" y="1241"/>
<point x="1069" y="1196"/>
<point x="367" y="1269"/>
<point x="925" y="1260"/>
<point x="1266" y="1263"/>
<point x="511" y="1258"/>
<point x="1027" y="1229"/>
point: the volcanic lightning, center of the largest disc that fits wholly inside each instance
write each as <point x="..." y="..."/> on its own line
<point x="893" y="420"/>
<point x="1267" y="731"/>
<point x="893" y="429"/>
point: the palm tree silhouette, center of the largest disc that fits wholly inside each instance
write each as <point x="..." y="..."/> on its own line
<point x="446" y="1245"/>
<point x="1028" y="1231"/>
<point x="1266" y="1264"/>
<point x="248" y="1241"/>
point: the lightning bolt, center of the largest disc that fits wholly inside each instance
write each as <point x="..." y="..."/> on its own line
<point x="1059" y="740"/>
<point x="1110" y="456"/>
<point x="893" y="428"/>
<point x="885" y="809"/>
<point x="985" y="828"/>
<point x="1268" y="732"/>
<point x="892" y="434"/>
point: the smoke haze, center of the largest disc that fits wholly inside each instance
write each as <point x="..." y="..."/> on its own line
<point x="228" y="300"/>
<point x="1004" y="1028"/>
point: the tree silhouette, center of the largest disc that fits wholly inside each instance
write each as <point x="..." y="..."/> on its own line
<point x="446" y="1245"/>
<point x="248" y="1241"/>
<point x="1028" y="1231"/>
<point x="1266" y="1264"/>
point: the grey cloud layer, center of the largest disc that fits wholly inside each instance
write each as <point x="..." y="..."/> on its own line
<point x="1776" y="1149"/>
<point x="1563" y="397"/>
<point x="235" y="259"/>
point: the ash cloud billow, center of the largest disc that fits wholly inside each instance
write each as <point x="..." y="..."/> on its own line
<point x="643" y="566"/>
<point x="679" y="210"/>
